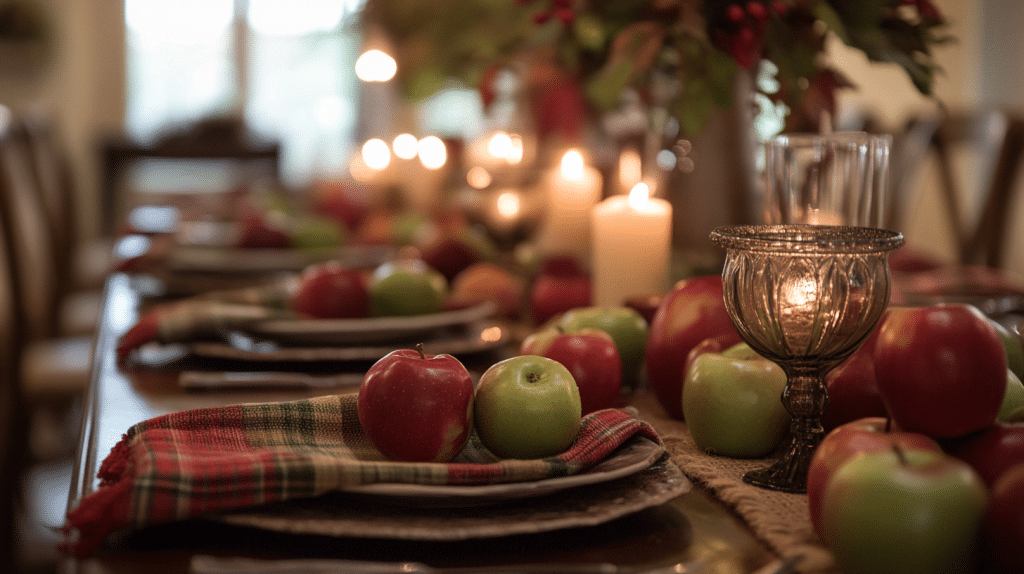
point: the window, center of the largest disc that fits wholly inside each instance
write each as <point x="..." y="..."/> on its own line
<point x="287" y="65"/>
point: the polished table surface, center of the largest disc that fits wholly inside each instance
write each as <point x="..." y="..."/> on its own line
<point x="690" y="527"/>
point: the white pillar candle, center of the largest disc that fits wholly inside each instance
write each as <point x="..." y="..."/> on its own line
<point x="572" y="189"/>
<point x="631" y="246"/>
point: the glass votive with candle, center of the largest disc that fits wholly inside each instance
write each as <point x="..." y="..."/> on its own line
<point x="631" y="246"/>
<point x="570" y="192"/>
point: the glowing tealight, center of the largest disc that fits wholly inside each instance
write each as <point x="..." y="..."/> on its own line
<point x="478" y="177"/>
<point x="405" y="146"/>
<point x="500" y="145"/>
<point x="432" y="151"/>
<point x="375" y="66"/>
<point x="376" y="154"/>
<point x="508" y="204"/>
<point x="572" y="165"/>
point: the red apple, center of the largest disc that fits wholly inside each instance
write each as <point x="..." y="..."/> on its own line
<point x="345" y="202"/>
<point x="331" y="291"/>
<point x="941" y="370"/>
<point x="260" y="229"/>
<point x="693" y="311"/>
<point x="416" y="407"/>
<point x="990" y="451"/>
<point x="847" y="442"/>
<point x="487" y="282"/>
<point x="646" y="305"/>
<point x="450" y="252"/>
<point x="552" y="295"/>
<point x="1003" y="526"/>
<point x="852" y="389"/>
<point x="591" y="357"/>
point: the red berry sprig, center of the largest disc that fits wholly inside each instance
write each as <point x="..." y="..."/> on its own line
<point x="559" y="9"/>
<point x="748" y="24"/>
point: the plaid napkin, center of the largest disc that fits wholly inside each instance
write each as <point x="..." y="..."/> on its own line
<point x="195" y="462"/>
<point x="207" y="315"/>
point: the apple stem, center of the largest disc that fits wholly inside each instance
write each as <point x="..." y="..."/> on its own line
<point x="419" y="347"/>
<point x="560" y="329"/>
<point x="901" y="455"/>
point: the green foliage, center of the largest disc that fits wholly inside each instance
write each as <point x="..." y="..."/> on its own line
<point x="609" y="45"/>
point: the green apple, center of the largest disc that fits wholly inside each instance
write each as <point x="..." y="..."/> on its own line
<point x="317" y="234"/>
<point x="732" y="403"/>
<point x="903" y="512"/>
<point x="627" y="328"/>
<point x="1013" y="400"/>
<point x="527" y="407"/>
<point x="406" y="287"/>
<point x="1014" y="348"/>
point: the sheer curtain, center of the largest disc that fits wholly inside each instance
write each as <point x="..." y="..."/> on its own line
<point x="286" y="65"/>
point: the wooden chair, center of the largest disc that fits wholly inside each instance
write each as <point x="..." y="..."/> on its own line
<point x="54" y="370"/>
<point x="80" y="265"/>
<point x="14" y="417"/>
<point x="977" y="218"/>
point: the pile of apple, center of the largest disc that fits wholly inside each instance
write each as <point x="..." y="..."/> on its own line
<point x="405" y="286"/>
<point x="923" y="470"/>
<point x="418" y="407"/>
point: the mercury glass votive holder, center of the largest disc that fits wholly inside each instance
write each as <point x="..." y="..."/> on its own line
<point x="805" y="297"/>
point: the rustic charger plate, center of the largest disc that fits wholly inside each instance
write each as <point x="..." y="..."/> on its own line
<point x="356" y="515"/>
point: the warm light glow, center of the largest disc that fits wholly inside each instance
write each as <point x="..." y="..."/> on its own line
<point x="478" y="177"/>
<point x="629" y="168"/>
<point x="491" y="335"/>
<point x="375" y="66"/>
<point x="405" y="146"/>
<point x="500" y="145"/>
<point x="639" y="196"/>
<point x="508" y="204"/>
<point x="572" y="165"/>
<point x="432" y="151"/>
<point x="515" y="152"/>
<point x="799" y="295"/>
<point x="376" y="154"/>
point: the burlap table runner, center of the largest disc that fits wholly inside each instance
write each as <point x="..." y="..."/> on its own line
<point x="780" y="520"/>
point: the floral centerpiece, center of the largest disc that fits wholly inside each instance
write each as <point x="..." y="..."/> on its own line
<point x="594" y="49"/>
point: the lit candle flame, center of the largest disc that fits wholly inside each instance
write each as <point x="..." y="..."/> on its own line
<point x="508" y="204"/>
<point x="639" y="195"/>
<point x="404" y="146"/>
<point x="375" y="66"/>
<point x="432" y="152"/>
<point x="376" y="154"/>
<point x="500" y="145"/>
<point x="572" y="165"/>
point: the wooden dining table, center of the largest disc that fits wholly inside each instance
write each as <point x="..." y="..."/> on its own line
<point x="692" y="532"/>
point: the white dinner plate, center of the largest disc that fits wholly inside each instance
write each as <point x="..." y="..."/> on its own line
<point x="220" y="259"/>
<point x="476" y="337"/>
<point x="363" y="332"/>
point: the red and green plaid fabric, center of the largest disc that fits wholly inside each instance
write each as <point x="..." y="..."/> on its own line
<point x="202" y="461"/>
<point x="207" y="315"/>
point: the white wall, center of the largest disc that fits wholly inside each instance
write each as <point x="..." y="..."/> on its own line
<point x="82" y="83"/>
